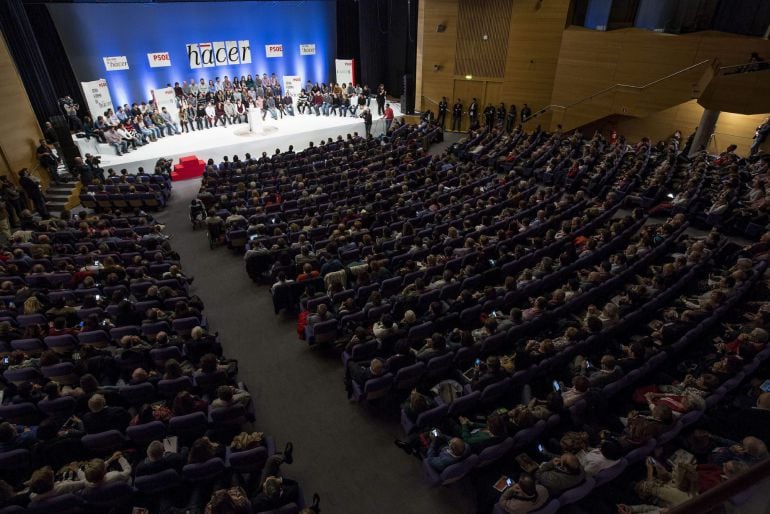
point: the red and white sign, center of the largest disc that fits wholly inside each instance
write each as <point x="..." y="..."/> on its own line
<point x="292" y="84"/>
<point x="118" y="62"/>
<point x="159" y="60"/>
<point x="97" y="96"/>
<point x="166" y="97"/>
<point x="344" y="69"/>
<point x="274" y="50"/>
<point x="307" y="49"/>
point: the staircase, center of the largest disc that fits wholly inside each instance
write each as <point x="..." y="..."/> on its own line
<point x="58" y="197"/>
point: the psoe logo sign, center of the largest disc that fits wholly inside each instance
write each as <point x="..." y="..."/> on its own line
<point x="118" y="62"/>
<point x="159" y="59"/>
<point x="307" y="49"/>
<point x="274" y="50"/>
<point x="218" y="53"/>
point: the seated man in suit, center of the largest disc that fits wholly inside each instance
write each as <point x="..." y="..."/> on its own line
<point x="359" y="373"/>
<point x="101" y="417"/>
<point x="560" y="474"/>
<point x="158" y="460"/>
<point x="442" y="454"/>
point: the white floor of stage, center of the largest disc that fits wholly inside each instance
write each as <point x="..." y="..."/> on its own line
<point x="217" y="142"/>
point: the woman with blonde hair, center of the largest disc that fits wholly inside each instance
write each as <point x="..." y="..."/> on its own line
<point x="32" y="305"/>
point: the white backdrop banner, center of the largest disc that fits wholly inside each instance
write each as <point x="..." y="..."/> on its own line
<point x="307" y="49"/>
<point x="97" y="96"/>
<point x="274" y="50"/>
<point x="166" y="97"/>
<point x="292" y="84"/>
<point x="344" y="68"/>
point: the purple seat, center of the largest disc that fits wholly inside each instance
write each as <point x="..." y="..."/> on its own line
<point x="61" y="344"/>
<point x="104" y="443"/>
<point x="471" y="317"/>
<point x="61" y="407"/>
<point x="207" y="383"/>
<point x="450" y="474"/>
<point x="157" y="482"/>
<point x="494" y="392"/>
<point x="609" y="474"/>
<point x="188" y="427"/>
<point x="374" y="388"/>
<point x="138" y="394"/>
<point x="97" y="338"/>
<point x="118" y="333"/>
<point x="183" y="326"/>
<point x="577" y="493"/>
<point x="464" y="405"/>
<point x="492" y="454"/>
<point x="19" y="375"/>
<point x="323" y="332"/>
<point x="527" y="436"/>
<point x="247" y="461"/>
<point x="14" y="461"/>
<point x="421" y="331"/>
<point x="28" y="345"/>
<point x="59" y="504"/>
<point x="27" y="320"/>
<point x="151" y="329"/>
<point x="146" y="433"/>
<point x="439" y="366"/>
<point x="641" y="452"/>
<point x="425" y="419"/>
<point x="170" y="388"/>
<point x="204" y="472"/>
<point x="20" y="413"/>
<point x="408" y="377"/>
<point x="107" y="495"/>
<point x="159" y="356"/>
<point x="228" y="417"/>
<point x="84" y="314"/>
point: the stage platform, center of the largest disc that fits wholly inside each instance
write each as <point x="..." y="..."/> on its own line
<point x="298" y="130"/>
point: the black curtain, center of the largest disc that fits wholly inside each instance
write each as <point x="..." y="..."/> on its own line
<point x="348" y="42"/>
<point x="22" y="44"/>
<point x="388" y="37"/>
<point x="59" y="68"/>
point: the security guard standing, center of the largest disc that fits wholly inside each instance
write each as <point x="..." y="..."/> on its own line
<point x="457" y="114"/>
<point x="489" y="116"/>
<point x="526" y="113"/>
<point x="510" y="119"/>
<point x="473" y="114"/>
<point x="442" y="108"/>
<point x="500" y="115"/>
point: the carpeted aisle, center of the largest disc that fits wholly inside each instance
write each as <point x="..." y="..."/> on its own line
<point x="342" y="452"/>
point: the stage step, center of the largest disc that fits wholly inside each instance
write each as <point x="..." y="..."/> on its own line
<point x="57" y="196"/>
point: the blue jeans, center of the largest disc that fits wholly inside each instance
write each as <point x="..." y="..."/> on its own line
<point x="120" y="147"/>
<point x="289" y="109"/>
<point x="325" y="108"/>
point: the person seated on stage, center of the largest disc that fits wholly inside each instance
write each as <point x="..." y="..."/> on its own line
<point x="230" y="111"/>
<point x="220" y="114"/>
<point x="169" y="121"/>
<point x="211" y="114"/>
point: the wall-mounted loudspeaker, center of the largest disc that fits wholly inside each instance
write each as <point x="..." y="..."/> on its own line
<point x="440" y="27"/>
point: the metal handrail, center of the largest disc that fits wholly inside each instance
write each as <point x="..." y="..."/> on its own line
<point x="754" y="63"/>
<point x="431" y="100"/>
<point x="619" y="85"/>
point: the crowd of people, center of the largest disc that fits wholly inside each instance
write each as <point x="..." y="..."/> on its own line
<point x="525" y="321"/>
<point x="116" y="393"/>
<point x="221" y="102"/>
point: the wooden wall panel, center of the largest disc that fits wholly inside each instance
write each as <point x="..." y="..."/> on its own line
<point x="466" y="90"/>
<point x="482" y="37"/>
<point x="534" y="41"/>
<point x="19" y="131"/>
<point x="590" y="61"/>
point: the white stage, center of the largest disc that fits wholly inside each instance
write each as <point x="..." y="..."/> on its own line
<point x="298" y="130"/>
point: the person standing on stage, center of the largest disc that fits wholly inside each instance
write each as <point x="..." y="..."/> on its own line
<point x="381" y="95"/>
<point x="388" y="117"/>
<point x="367" y="116"/>
<point x="442" y="108"/>
<point x="367" y="94"/>
<point x="457" y="115"/>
